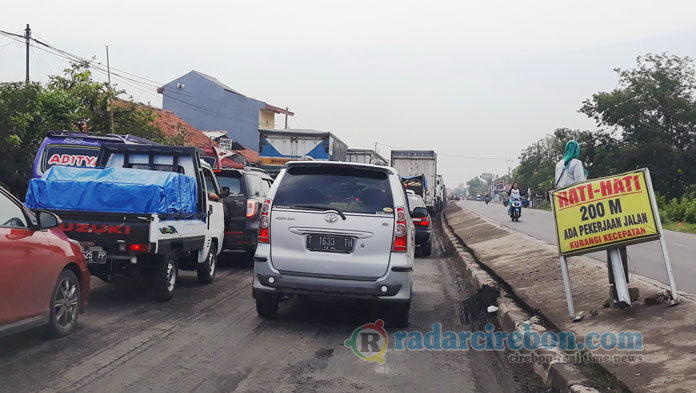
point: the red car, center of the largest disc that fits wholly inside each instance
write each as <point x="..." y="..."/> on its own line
<point x="43" y="275"/>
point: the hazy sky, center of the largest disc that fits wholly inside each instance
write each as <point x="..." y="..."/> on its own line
<point x="482" y="78"/>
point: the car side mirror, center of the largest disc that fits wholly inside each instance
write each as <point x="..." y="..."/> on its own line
<point x="419" y="212"/>
<point x="47" y="220"/>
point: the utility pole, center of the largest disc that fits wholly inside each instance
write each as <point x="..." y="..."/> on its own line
<point x="286" y="117"/>
<point x="27" y="37"/>
<point x="111" y="95"/>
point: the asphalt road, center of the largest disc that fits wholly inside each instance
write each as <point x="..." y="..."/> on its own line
<point x="644" y="259"/>
<point x="209" y="339"/>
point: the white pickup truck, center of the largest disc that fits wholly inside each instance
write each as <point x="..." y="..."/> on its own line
<point x="118" y="241"/>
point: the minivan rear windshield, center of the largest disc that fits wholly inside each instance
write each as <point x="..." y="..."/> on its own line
<point x="233" y="182"/>
<point x="351" y="190"/>
<point x="69" y="155"/>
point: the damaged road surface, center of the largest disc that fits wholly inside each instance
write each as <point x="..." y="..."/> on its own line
<point x="209" y="339"/>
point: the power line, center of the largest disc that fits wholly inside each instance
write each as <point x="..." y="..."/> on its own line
<point x="140" y="85"/>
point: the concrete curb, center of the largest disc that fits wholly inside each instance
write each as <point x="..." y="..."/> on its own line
<point x="563" y="377"/>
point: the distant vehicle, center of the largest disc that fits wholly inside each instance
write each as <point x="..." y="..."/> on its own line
<point x="479" y="197"/>
<point x="440" y="194"/>
<point x="277" y="147"/>
<point x="413" y="163"/>
<point x="365" y="156"/>
<point x="338" y="230"/>
<point x="151" y="210"/>
<point x="79" y="149"/>
<point x="422" y="221"/>
<point x="242" y="193"/>
<point x="218" y="159"/>
<point x="43" y="275"/>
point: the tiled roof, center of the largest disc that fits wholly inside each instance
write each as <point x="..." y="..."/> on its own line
<point x="250" y="155"/>
<point x="171" y="125"/>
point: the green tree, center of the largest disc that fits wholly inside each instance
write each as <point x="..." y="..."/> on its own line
<point x="72" y="101"/>
<point x="536" y="170"/>
<point x="95" y="105"/>
<point x="26" y="113"/>
<point x="653" y="111"/>
<point x="476" y="186"/>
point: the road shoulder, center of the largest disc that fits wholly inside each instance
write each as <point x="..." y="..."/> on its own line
<point x="531" y="268"/>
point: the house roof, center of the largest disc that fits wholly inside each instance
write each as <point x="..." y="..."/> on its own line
<point x="217" y="82"/>
<point x="171" y="125"/>
<point x="250" y="155"/>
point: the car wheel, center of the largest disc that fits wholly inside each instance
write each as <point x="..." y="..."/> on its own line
<point x="398" y="314"/>
<point x="165" y="277"/>
<point x="65" y="305"/>
<point x="427" y="249"/>
<point x="206" y="270"/>
<point x="267" y="307"/>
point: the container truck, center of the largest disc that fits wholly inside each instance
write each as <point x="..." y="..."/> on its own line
<point x="366" y="156"/>
<point x="276" y="147"/>
<point x="412" y="163"/>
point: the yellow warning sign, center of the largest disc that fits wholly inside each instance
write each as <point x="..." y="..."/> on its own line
<point x="606" y="212"/>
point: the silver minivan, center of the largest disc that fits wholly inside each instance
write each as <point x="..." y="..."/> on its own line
<point x="335" y="229"/>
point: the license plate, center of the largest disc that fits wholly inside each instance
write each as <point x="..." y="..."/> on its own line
<point x="94" y="256"/>
<point x="330" y="243"/>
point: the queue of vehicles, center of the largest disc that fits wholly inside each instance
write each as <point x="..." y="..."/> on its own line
<point x="119" y="205"/>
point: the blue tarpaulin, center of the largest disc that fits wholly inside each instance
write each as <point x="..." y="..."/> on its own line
<point x="115" y="190"/>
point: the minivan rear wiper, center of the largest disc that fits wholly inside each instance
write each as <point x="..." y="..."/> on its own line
<point x="316" y="207"/>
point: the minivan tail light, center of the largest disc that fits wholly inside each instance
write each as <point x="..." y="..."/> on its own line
<point x="265" y="222"/>
<point x="251" y="208"/>
<point x="400" y="232"/>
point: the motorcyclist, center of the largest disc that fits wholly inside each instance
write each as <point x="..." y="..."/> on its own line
<point x="514" y="193"/>
<point x="488" y="198"/>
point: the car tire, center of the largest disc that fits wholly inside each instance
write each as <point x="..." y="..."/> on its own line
<point x="427" y="249"/>
<point x="65" y="305"/>
<point x="206" y="270"/>
<point x="399" y="313"/>
<point x="267" y="307"/>
<point x="165" y="277"/>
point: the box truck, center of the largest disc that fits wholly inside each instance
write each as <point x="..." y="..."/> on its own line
<point x="414" y="163"/>
<point x="276" y="147"/>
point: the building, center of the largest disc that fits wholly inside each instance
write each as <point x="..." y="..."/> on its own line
<point x="208" y="104"/>
<point x="365" y="156"/>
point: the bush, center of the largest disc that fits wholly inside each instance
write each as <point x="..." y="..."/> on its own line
<point x="678" y="210"/>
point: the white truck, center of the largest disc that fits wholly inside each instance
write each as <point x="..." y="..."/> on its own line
<point x="365" y="156"/>
<point x="129" y="218"/>
<point x="411" y="163"/>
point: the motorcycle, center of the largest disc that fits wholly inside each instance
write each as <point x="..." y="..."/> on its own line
<point x="515" y="209"/>
<point x="488" y="199"/>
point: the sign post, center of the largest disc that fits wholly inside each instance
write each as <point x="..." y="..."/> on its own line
<point x="605" y="214"/>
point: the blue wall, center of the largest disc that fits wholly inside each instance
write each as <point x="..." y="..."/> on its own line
<point x="209" y="107"/>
